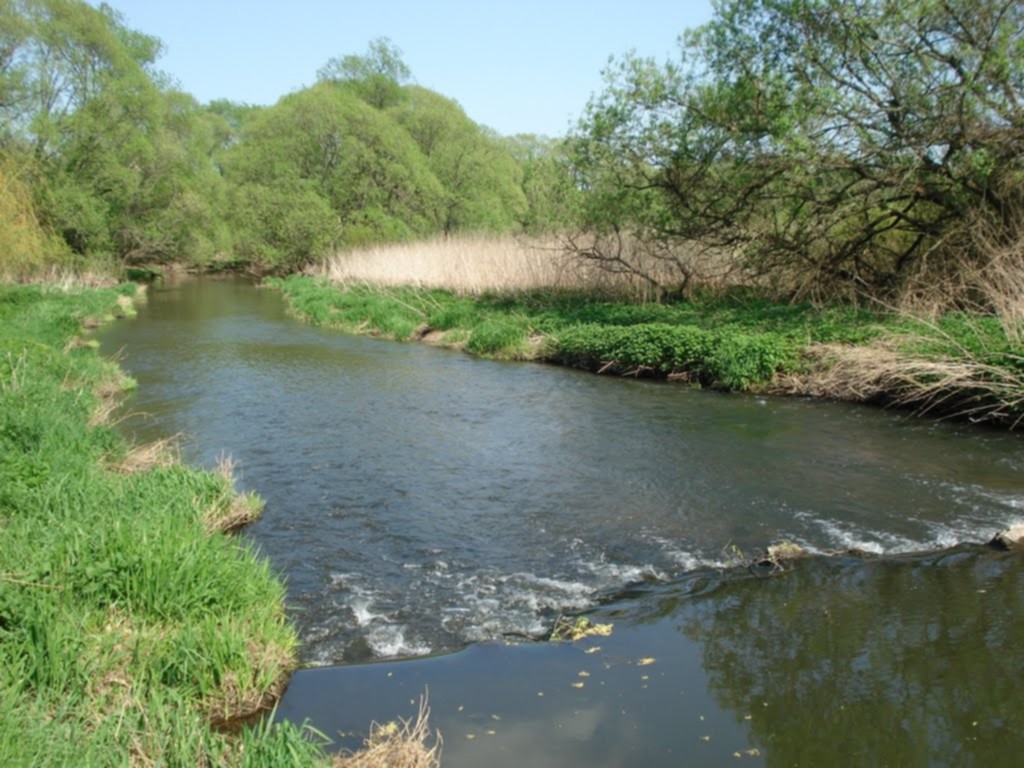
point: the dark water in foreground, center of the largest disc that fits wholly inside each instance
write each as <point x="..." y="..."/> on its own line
<point x="419" y="500"/>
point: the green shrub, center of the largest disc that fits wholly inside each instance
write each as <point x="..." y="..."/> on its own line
<point x="740" y="361"/>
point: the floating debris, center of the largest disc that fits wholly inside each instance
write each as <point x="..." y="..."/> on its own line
<point x="578" y="628"/>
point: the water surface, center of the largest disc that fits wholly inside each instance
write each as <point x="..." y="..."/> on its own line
<point x="419" y="501"/>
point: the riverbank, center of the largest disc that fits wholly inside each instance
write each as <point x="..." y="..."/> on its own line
<point x="956" y="365"/>
<point x="131" y="625"/>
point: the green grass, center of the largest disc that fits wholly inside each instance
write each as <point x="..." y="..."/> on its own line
<point x="738" y="341"/>
<point x="730" y="343"/>
<point x="126" y="627"/>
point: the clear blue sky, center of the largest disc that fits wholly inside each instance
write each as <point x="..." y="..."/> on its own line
<point x="522" y="66"/>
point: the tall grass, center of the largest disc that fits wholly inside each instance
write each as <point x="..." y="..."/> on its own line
<point x="126" y="626"/>
<point x="475" y="265"/>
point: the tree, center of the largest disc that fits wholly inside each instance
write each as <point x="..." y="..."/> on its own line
<point x="547" y="184"/>
<point x="832" y="144"/>
<point x="121" y="166"/>
<point x="377" y="75"/>
<point x="327" y="142"/>
<point x="479" y="176"/>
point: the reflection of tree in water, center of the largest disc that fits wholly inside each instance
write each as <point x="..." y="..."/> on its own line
<point x="905" y="662"/>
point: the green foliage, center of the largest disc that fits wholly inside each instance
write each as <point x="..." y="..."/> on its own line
<point x="281" y="227"/>
<point x="362" y="177"/>
<point x="722" y="358"/>
<point x="124" y="624"/>
<point x="114" y="166"/>
<point x="552" y="195"/>
<point x="26" y="249"/>
<point x="120" y="166"/>
<point x="478" y="175"/>
<point x="376" y="76"/>
<point x="838" y="147"/>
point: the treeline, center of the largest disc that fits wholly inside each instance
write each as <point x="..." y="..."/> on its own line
<point x="830" y="148"/>
<point x="822" y="147"/>
<point x="103" y="161"/>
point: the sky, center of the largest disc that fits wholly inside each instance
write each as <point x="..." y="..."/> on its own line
<point x="527" y="66"/>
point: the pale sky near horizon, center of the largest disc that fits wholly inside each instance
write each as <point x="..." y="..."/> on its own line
<point x="523" y="67"/>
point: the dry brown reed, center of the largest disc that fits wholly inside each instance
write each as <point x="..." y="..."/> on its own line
<point x="960" y="386"/>
<point x="1000" y="283"/>
<point x="402" y="744"/>
<point x="472" y="265"/>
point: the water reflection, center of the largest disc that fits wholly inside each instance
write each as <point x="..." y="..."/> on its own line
<point x="905" y="661"/>
<point x="900" y="661"/>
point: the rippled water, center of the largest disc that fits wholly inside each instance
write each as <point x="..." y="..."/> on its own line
<point x="419" y="499"/>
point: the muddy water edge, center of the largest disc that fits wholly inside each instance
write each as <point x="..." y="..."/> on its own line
<point x="426" y="506"/>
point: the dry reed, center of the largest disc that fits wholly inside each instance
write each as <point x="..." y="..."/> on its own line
<point x="158" y="454"/>
<point x="472" y="265"/>
<point x="1001" y="282"/>
<point x="956" y="387"/>
<point x="402" y="744"/>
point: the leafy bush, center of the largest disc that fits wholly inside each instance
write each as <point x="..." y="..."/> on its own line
<point x="740" y="361"/>
<point x="724" y="358"/>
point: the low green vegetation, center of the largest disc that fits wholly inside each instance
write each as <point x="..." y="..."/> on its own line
<point x="729" y="342"/>
<point x="129" y="623"/>
<point x="960" y="363"/>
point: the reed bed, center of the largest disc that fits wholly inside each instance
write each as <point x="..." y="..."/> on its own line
<point x="475" y="265"/>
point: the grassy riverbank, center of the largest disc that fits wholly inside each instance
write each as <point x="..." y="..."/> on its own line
<point x="967" y="365"/>
<point x="130" y="624"/>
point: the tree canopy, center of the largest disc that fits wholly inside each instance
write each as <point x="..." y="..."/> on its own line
<point x="834" y="144"/>
<point x="108" y="161"/>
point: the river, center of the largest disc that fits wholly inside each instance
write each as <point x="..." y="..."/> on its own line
<point x="420" y="501"/>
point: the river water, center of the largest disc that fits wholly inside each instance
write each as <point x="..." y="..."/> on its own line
<point x="419" y="501"/>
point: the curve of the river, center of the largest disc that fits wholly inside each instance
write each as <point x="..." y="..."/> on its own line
<point x="419" y="499"/>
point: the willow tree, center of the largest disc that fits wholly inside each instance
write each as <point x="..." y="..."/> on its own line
<point x="116" y="169"/>
<point x="480" y="178"/>
<point x="377" y="76"/>
<point x="547" y="184"/>
<point x="335" y="171"/>
<point x="835" y="145"/>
